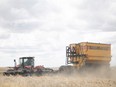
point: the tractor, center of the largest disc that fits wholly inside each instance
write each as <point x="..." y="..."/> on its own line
<point x="26" y="68"/>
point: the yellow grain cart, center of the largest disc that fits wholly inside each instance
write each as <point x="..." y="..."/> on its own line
<point x="88" y="54"/>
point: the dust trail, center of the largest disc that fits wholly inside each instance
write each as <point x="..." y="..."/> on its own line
<point x="56" y="81"/>
<point x="62" y="80"/>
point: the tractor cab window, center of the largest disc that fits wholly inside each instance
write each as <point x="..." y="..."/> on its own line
<point x="26" y="61"/>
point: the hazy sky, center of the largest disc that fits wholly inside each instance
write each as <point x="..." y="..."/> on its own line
<point x="43" y="28"/>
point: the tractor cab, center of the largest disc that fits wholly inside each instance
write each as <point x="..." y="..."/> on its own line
<point x="26" y="62"/>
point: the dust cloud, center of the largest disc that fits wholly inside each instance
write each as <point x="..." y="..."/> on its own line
<point x="75" y="79"/>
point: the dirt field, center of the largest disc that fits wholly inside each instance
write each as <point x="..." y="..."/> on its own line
<point x="60" y="81"/>
<point x="56" y="81"/>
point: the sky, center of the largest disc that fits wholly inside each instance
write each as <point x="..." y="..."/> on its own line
<point x="43" y="28"/>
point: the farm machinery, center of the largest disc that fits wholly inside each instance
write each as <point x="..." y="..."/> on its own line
<point x="26" y="68"/>
<point x="86" y="56"/>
